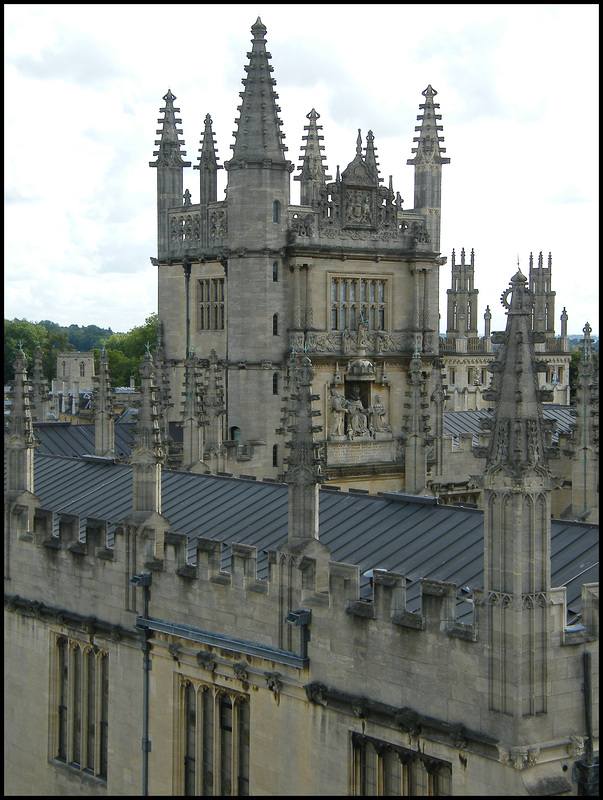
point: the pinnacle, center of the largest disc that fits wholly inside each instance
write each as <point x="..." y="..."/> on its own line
<point x="517" y="443"/>
<point x="429" y="149"/>
<point x="258" y="136"/>
<point x="169" y="153"/>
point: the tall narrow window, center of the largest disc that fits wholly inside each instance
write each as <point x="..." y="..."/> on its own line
<point x="82" y="369"/>
<point x="76" y="722"/>
<point x="276" y="211"/>
<point x="214" y="727"/>
<point x="63" y="697"/>
<point x="275" y="324"/>
<point x="208" y="743"/>
<point x="243" y="713"/>
<point x="190" y="731"/>
<point x="91" y="710"/>
<point x="275" y="271"/>
<point x="225" y="745"/>
<point x="81" y="700"/>
<point x="275" y="383"/>
<point x="275" y="455"/>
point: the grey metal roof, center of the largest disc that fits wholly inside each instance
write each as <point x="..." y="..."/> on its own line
<point x="459" y="422"/>
<point x="409" y="535"/>
<point x="65" y="439"/>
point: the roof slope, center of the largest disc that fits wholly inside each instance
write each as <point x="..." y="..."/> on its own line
<point x="409" y="535"/>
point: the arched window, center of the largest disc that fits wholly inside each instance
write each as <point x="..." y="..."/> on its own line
<point x="235" y="434"/>
<point x="275" y="455"/>
<point x="454" y="317"/>
<point x="275" y="271"/>
<point x="82" y="369"/>
<point x="276" y="211"/>
<point x="275" y="324"/>
<point x="275" y="383"/>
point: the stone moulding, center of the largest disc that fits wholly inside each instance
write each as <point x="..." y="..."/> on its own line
<point x="402" y="719"/>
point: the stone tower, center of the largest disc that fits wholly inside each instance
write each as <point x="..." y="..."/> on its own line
<point x="462" y="298"/>
<point x="348" y="277"/>
<point x="517" y="485"/>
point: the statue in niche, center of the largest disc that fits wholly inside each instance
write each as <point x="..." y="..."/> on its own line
<point x="337" y="413"/>
<point x="378" y="416"/>
<point x="357" y="422"/>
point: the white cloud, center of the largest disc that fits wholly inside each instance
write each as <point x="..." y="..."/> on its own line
<point x="84" y="84"/>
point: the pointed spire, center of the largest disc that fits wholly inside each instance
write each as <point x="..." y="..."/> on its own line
<point x="102" y="403"/>
<point x="428" y="149"/>
<point x="147" y="451"/>
<point x="208" y="165"/>
<point x="20" y="440"/>
<point x="39" y="385"/>
<point x="517" y="442"/>
<point x="304" y="464"/>
<point x="169" y="153"/>
<point x="193" y="416"/>
<point x="428" y="166"/>
<point x="312" y="171"/>
<point x="371" y="157"/>
<point x="258" y="136"/>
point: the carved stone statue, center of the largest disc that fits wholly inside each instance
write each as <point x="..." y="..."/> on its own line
<point x="357" y="418"/>
<point x="378" y="416"/>
<point x="337" y="413"/>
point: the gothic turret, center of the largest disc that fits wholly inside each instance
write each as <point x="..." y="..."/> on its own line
<point x="517" y="487"/>
<point x="543" y="315"/>
<point x="313" y="171"/>
<point x="170" y="166"/>
<point x="208" y="165"/>
<point x="462" y="298"/>
<point x="428" y="166"/>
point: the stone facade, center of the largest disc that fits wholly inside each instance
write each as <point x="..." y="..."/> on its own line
<point x="348" y="277"/>
<point x="134" y="666"/>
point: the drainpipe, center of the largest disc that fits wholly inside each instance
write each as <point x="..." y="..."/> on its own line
<point x="186" y="266"/>
<point x="144" y="580"/>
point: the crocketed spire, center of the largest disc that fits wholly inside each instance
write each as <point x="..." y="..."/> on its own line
<point x="428" y="149"/>
<point x="313" y="170"/>
<point x="169" y="153"/>
<point x="258" y="136"/>
<point x="517" y="441"/>
<point x="208" y="165"/>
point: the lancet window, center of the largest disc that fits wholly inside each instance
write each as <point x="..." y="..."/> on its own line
<point x="214" y="729"/>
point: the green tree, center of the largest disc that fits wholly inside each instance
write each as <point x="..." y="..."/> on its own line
<point x="125" y="350"/>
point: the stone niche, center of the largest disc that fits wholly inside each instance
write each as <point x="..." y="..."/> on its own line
<point x="358" y="417"/>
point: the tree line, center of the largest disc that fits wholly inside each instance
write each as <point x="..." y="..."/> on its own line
<point x="124" y="350"/>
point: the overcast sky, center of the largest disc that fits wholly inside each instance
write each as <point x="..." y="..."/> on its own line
<point x="518" y="93"/>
